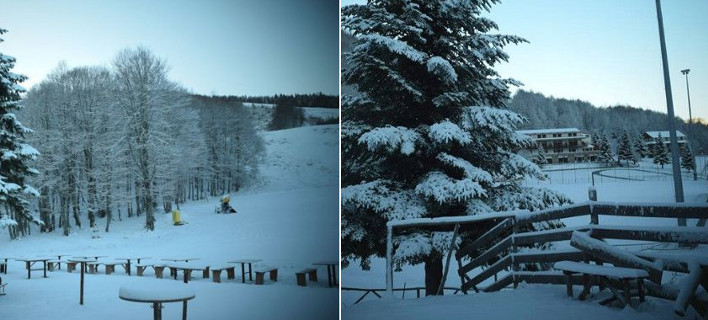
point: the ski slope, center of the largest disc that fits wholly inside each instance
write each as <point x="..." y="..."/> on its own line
<point x="289" y="220"/>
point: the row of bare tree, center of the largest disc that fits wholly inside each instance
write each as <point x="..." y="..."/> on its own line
<point x="125" y="138"/>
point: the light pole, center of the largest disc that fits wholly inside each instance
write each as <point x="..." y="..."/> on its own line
<point x="688" y="92"/>
<point x="675" y="164"/>
<point x="690" y="121"/>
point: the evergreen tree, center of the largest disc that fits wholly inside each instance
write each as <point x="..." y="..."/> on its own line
<point x="687" y="160"/>
<point x="286" y="116"/>
<point x="640" y="148"/>
<point x="604" y="150"/>
<point x="541" y="156"/>
<point x="661" y="154"/>
<point x="427" y="134"/>
<point x="16" y="154"/>
<point x="625" y="149"/>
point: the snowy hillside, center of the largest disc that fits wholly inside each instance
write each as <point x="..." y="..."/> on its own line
<point x="288" y="221"/>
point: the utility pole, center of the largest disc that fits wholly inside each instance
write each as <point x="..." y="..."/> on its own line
<point x="675" y="164"/>
<point x="690" y="122"/>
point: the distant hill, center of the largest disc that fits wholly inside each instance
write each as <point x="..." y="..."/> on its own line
<point x="548" y="112"/>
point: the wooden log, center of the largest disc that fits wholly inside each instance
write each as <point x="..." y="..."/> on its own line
<point x="688" y="286"/>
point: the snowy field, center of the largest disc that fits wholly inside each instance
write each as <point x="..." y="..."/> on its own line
<point x="546" y="302"/>
<point x="321" y="113"/>
<point x="290" y="220"/>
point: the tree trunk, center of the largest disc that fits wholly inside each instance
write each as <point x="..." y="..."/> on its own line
<point x="433" y="275"/>
<point x="64" y="215"/>
<point x="45" y="210"/>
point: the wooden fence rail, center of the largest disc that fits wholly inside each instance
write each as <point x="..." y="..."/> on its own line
<point x="502" y="256"/>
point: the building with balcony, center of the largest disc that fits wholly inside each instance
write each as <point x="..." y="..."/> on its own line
<point x="564" y="145"/>
<point x="650" y="138"/>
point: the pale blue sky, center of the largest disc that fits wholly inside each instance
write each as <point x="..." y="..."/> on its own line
<point x="244" y="47"/>
<point x="607" y="52"/>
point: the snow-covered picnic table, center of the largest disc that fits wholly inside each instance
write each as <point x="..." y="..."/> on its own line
<point x="29" y="262"/>
<point x="187" y="269"/>
<point x="331" y="271"/>
<point x="614" y="278"/>
<point x="157" y="293"/>
<point x="127" y="264"/>
<point x="243" y="262"/>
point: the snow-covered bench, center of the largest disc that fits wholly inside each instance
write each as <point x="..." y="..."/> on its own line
<point x="273" y="271"/>
<point x="216" y="272"/>
<point x="300" y="276"/>
<point x="159" y="269"/>
<point x="141" y="268"/>
<point x="111" y="266"/>
<point x="2" y="287"/>
<point x="54" y="264"/>
<point x="613" y="278"/>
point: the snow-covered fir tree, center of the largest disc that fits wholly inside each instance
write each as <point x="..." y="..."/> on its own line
<point x="625" y="149"/>
<point x="427" y="134"/>
<point x="640" y="148"/>
<point x="687" y="160"/>
<point x="661" y="154"/>
<point x="15" y="154"/>
<point x="541" y="156"/>
<point x="604" y="150"/>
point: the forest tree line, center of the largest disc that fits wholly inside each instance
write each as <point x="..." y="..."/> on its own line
<point x="319" y="100"/>
<point x="124" y="140"/>
<point x="548" y="112"/>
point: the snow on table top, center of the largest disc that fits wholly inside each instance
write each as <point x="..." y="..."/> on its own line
<point x="614" y="272"/>
<point x="156" y="291"/>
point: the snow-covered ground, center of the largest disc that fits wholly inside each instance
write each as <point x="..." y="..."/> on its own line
<point x="289" y="221"/>
<point x="546" y="302"/>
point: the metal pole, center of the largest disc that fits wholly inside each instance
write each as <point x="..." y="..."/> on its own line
<point x="675" y="165"/>
<point x="389" y="261"/>
<point x="690" y="121"/>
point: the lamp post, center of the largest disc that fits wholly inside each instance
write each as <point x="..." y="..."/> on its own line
<point x="675" y="164"/>
<point x="688" y="92"/>
<point x="690" y="121"/>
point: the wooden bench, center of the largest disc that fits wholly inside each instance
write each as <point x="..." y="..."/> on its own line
<point x="71" y="266"/>
<point x="54" y="264"/>
<point x="140" y="268"/>
<point x="312" y="273"/>
<point x="3" y="266"/>
<point x="216" y="272"/>
<point x="158" y="271"/>
<point x="614" y="278"/>
<point x="2" y="287"/>
<point x="92" y="267"/>
<point x="261" y="273"/>
<point x="111" y="266"/>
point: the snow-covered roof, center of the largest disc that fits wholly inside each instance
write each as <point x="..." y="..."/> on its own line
<point x="664" y="134"/>
<point x="540" y="131"/>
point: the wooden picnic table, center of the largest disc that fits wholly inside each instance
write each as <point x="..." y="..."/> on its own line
<point x="29" y="262"/>
<point x="243" y="262"/>
<point x="4" y="267"/>
<point x="157" y="293"/>
<point x="59" y="258"/>
<point x="84" y="265"/>
<point x="179" y="259"/>
<point x="83" y="270"/>
<point x="331" y="271"/>
<point x="186" y="268"/>
<point x="127" y="266"/>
